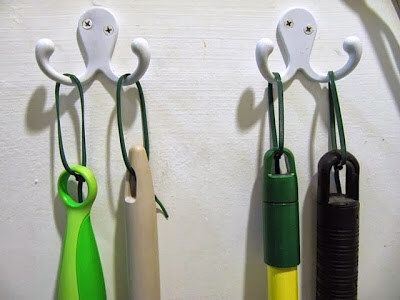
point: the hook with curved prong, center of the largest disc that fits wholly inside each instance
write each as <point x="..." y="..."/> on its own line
<point x="97" y="33"/>
<point x="297" y="30"/>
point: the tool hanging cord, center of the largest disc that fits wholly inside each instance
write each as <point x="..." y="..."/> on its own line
<point x="144" y="129"/>
<point x="275" y="143"/>
<point x="335" y="114"/>
<point x="77" y="176"/>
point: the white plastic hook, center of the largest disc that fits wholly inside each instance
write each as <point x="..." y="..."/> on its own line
<point x="98" y="32"/>
<point x="297" y="29"/>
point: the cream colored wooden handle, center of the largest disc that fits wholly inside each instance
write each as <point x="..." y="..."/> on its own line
<point x="141" y="231"/>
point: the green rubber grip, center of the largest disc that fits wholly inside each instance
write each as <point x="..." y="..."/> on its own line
<point x="281" y="213"/>
<point x="80" y="275"/>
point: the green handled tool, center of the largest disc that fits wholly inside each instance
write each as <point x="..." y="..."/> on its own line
<point x="80" y="275"/>
<point x="280" y="210"/>
<point x="281" y="227"/>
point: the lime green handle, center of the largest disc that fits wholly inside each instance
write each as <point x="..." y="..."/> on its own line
<point x="80" y="275"/>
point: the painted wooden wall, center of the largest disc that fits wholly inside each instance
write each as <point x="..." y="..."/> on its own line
<point x="207" y="116"/>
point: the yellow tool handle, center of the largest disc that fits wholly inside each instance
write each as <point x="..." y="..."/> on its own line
<point x="282" y="283"/>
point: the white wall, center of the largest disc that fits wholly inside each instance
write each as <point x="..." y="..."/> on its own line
<point x="208" y="132"/>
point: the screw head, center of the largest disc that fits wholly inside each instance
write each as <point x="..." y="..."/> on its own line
<point x="108" y="29"/>
<point x="308" y="29"/>
<point x="87" y="24"/>
<point x="289" y="23"/>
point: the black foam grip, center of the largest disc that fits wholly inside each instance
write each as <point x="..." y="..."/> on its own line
<point x="337" y="249"/>
<point x="337" y="232"/>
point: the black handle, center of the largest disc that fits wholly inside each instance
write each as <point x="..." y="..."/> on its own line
<point x="337" y="231"/>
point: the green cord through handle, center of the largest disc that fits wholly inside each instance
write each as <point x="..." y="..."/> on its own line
<point x="335" y="114"/>
<point x="275" y="143"/>
<point x="144" y="128"/>
<point x="78" y="177"/>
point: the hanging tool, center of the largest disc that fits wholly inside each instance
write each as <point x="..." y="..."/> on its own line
<point x="337" y="215"/>
<point x="80" y="274"/>
<point x="140" y="211"/>
<point x="280" y="211"/>
<point x="141" y="230"/>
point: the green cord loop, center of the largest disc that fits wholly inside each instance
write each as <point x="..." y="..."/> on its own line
<point x="77" y="176"/>
<point x="144" y="129"/>
<point x="335" y="114"/>
<point x="278" y="144"/>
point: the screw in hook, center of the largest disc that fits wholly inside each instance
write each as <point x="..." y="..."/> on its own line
<point x="289" y="23"/>
<point x="108" y="29"/>
<point x="87" y="24"/>
<point x="308" y="29"/>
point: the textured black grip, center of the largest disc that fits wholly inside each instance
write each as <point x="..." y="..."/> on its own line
<point x="337" y="249"/>
<point x="337" y="232"/>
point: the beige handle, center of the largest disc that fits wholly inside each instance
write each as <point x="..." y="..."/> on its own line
<point x="141" y="231"/>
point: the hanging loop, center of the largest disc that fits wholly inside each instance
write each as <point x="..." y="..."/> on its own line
<point x="277" y="144"/>
<point x="335" y="116"/>
<point x="145" y="130"/>
<point x="77" y="176"/>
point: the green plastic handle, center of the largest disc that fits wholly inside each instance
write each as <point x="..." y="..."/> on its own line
<point x="80" y="274"/>
<point x="281" y="213"/>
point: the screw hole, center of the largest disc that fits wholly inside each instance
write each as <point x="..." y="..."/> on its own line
<point x="87" y="24"/>
<point x="108" y="29"/>
<point x="308" y="29"/>
<point x="289" y="23"/>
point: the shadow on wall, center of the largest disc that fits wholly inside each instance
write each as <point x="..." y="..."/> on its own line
<point x="308" y="250"/>
<point x="396" y="5"/>
<point x="381" y="35"/>
<point x="255" y="278"/>
<point x="38" y="118"/>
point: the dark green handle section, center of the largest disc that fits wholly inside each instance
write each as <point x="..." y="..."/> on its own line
<point x="281" y="213"/>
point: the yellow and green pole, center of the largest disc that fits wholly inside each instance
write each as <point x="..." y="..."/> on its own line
<point x="281" y="226"/>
